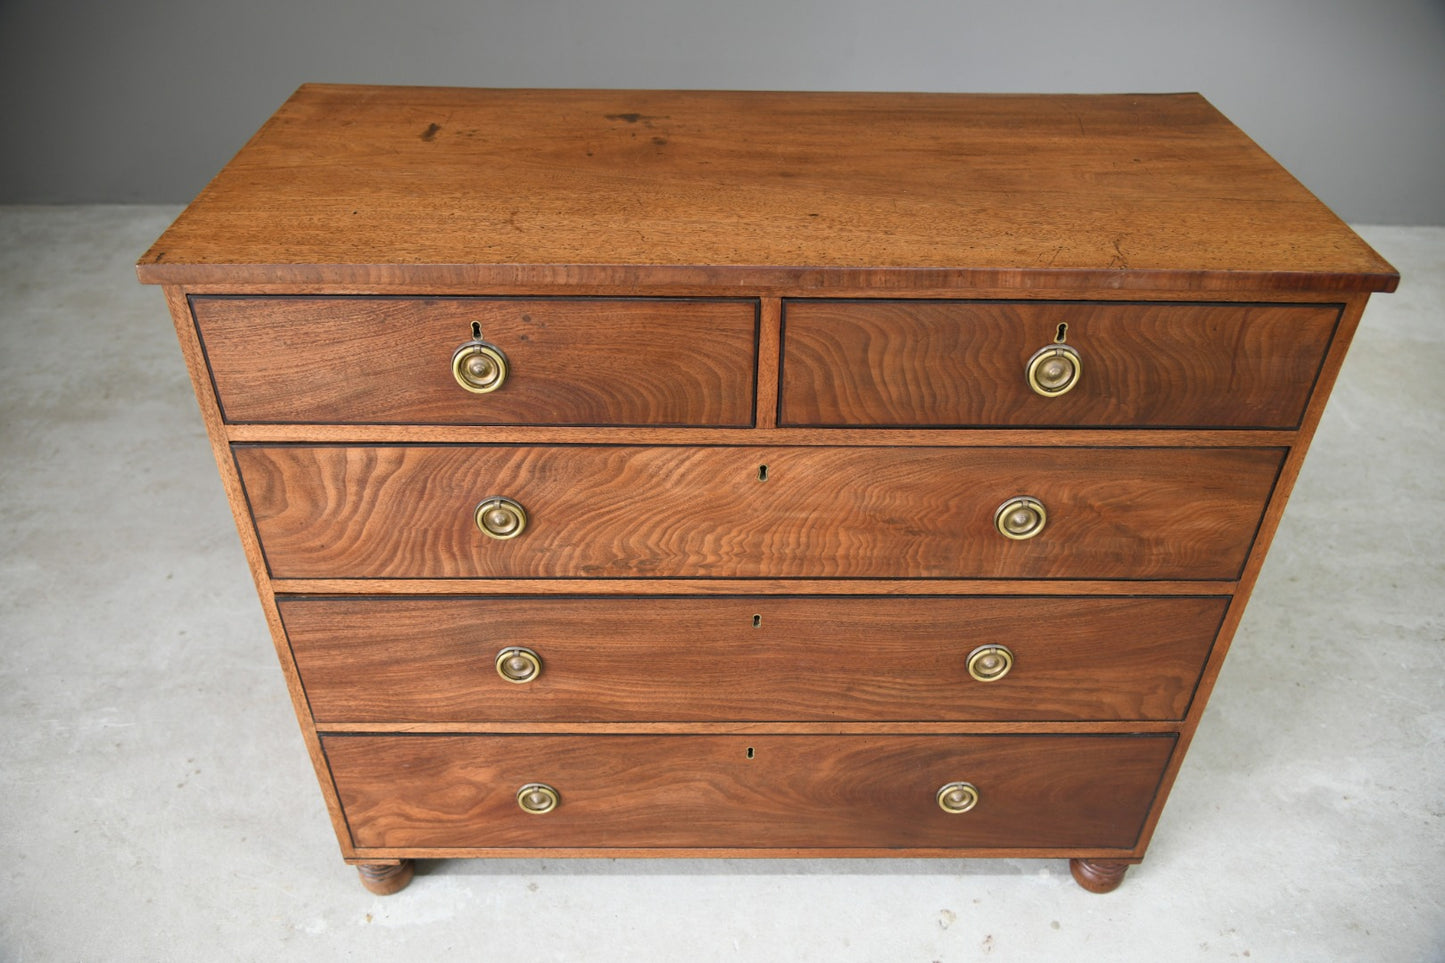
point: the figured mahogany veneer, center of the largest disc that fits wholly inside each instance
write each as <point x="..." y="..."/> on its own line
<point x="611" y="512"/>
<point x="767" y="389"/>
<point x="771" y="658"/>
<point x="599" y="361"/>
<point x="957" y="363"/>
<point x="748" y="792"/>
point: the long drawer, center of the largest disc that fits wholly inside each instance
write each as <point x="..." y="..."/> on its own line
<point x="434" y="660"/>
<point x="605" y="512"/>
<point x="745" y="792"/>
<point x="570" y="361"/>
<point x="965" y="363"/>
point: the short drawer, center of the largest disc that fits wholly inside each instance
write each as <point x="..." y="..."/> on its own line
<point x="377" y="360"/>
<point x="745" y="792"/>
<point x="434" y="660"/>
<point x="965" y="363"/>
<point x="746" y="512"/>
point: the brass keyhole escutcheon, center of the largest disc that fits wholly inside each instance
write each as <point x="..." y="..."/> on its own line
<point x="957" y="797"/>
<point x="519" y="665"/>
<point x="1020" y="518"/>
<point x="1054" y="370"/>
<point x="989" y="663"/>
<point x="537" y="798"/>
<point x="501" y="518"/>
<point x="479" y="366"/>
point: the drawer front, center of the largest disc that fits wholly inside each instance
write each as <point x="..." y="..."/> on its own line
<point x="759" y="659"/>
<point x="592" y="361"/>
<point x="746" y="792"/>
<point x="959" y="363"/>
<point x="612" y="512"/>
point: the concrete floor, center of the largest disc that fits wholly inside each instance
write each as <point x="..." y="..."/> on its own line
<point x="157" y="801"/>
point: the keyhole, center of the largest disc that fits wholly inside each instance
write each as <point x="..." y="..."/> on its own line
<point x="750" y="752"/>
<point x="476" y="331"/>
<point x="762" y="473"/>
<point x="1063" y="333"/>
<point x="757" y="621"/>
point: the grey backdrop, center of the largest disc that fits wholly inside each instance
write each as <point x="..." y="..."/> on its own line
<point x="110" y="101"/>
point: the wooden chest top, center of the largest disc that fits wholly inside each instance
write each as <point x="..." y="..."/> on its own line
<point x="385" y="187"/>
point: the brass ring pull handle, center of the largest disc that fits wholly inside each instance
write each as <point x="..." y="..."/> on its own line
<point x="989" y="663"/>
<point x="957" y="797"/>
<point x="537" y="798"/>
<point x="518" y="665"/>
<point x="1054" y="370"/>
<point x="479" y="366"/>
<point x="501" y="518"/>
<point x="1020" y="518"/>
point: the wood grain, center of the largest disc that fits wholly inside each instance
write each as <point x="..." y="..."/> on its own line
<point x="962" y="363"/>
<point x="573" y="361"/>
<point x="372" y="186"/>
<point x="709" y="791"/>
<point x="611" y="512"/>
<point x="406" y="661"/>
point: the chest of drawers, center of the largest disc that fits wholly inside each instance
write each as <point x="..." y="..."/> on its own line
<point x="753" y="474"/>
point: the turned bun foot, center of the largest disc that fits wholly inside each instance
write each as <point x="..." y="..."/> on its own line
<point x="384" y="879"/>
<point x="1098" y="875"/>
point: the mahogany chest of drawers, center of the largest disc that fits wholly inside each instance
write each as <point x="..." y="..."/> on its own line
<point x="755" y="474"/>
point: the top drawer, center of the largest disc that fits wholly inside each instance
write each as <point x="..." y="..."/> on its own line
<point x="376" y="360"/>
<point x="965" y="363"/>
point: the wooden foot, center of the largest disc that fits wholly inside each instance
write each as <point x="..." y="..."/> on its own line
<point x="1098" y="875"/>
<point x="383" y="879"/>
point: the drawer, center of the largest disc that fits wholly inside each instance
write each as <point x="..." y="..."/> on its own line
<point x="412" y="660"/>
<point x="964" y="363"/>
<point x="629" y="512"/>
<point x="589" y="361"/>
<point x="745" y="792"/>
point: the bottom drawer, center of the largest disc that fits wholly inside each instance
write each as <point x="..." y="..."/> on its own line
<point x="746" y="792"/>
